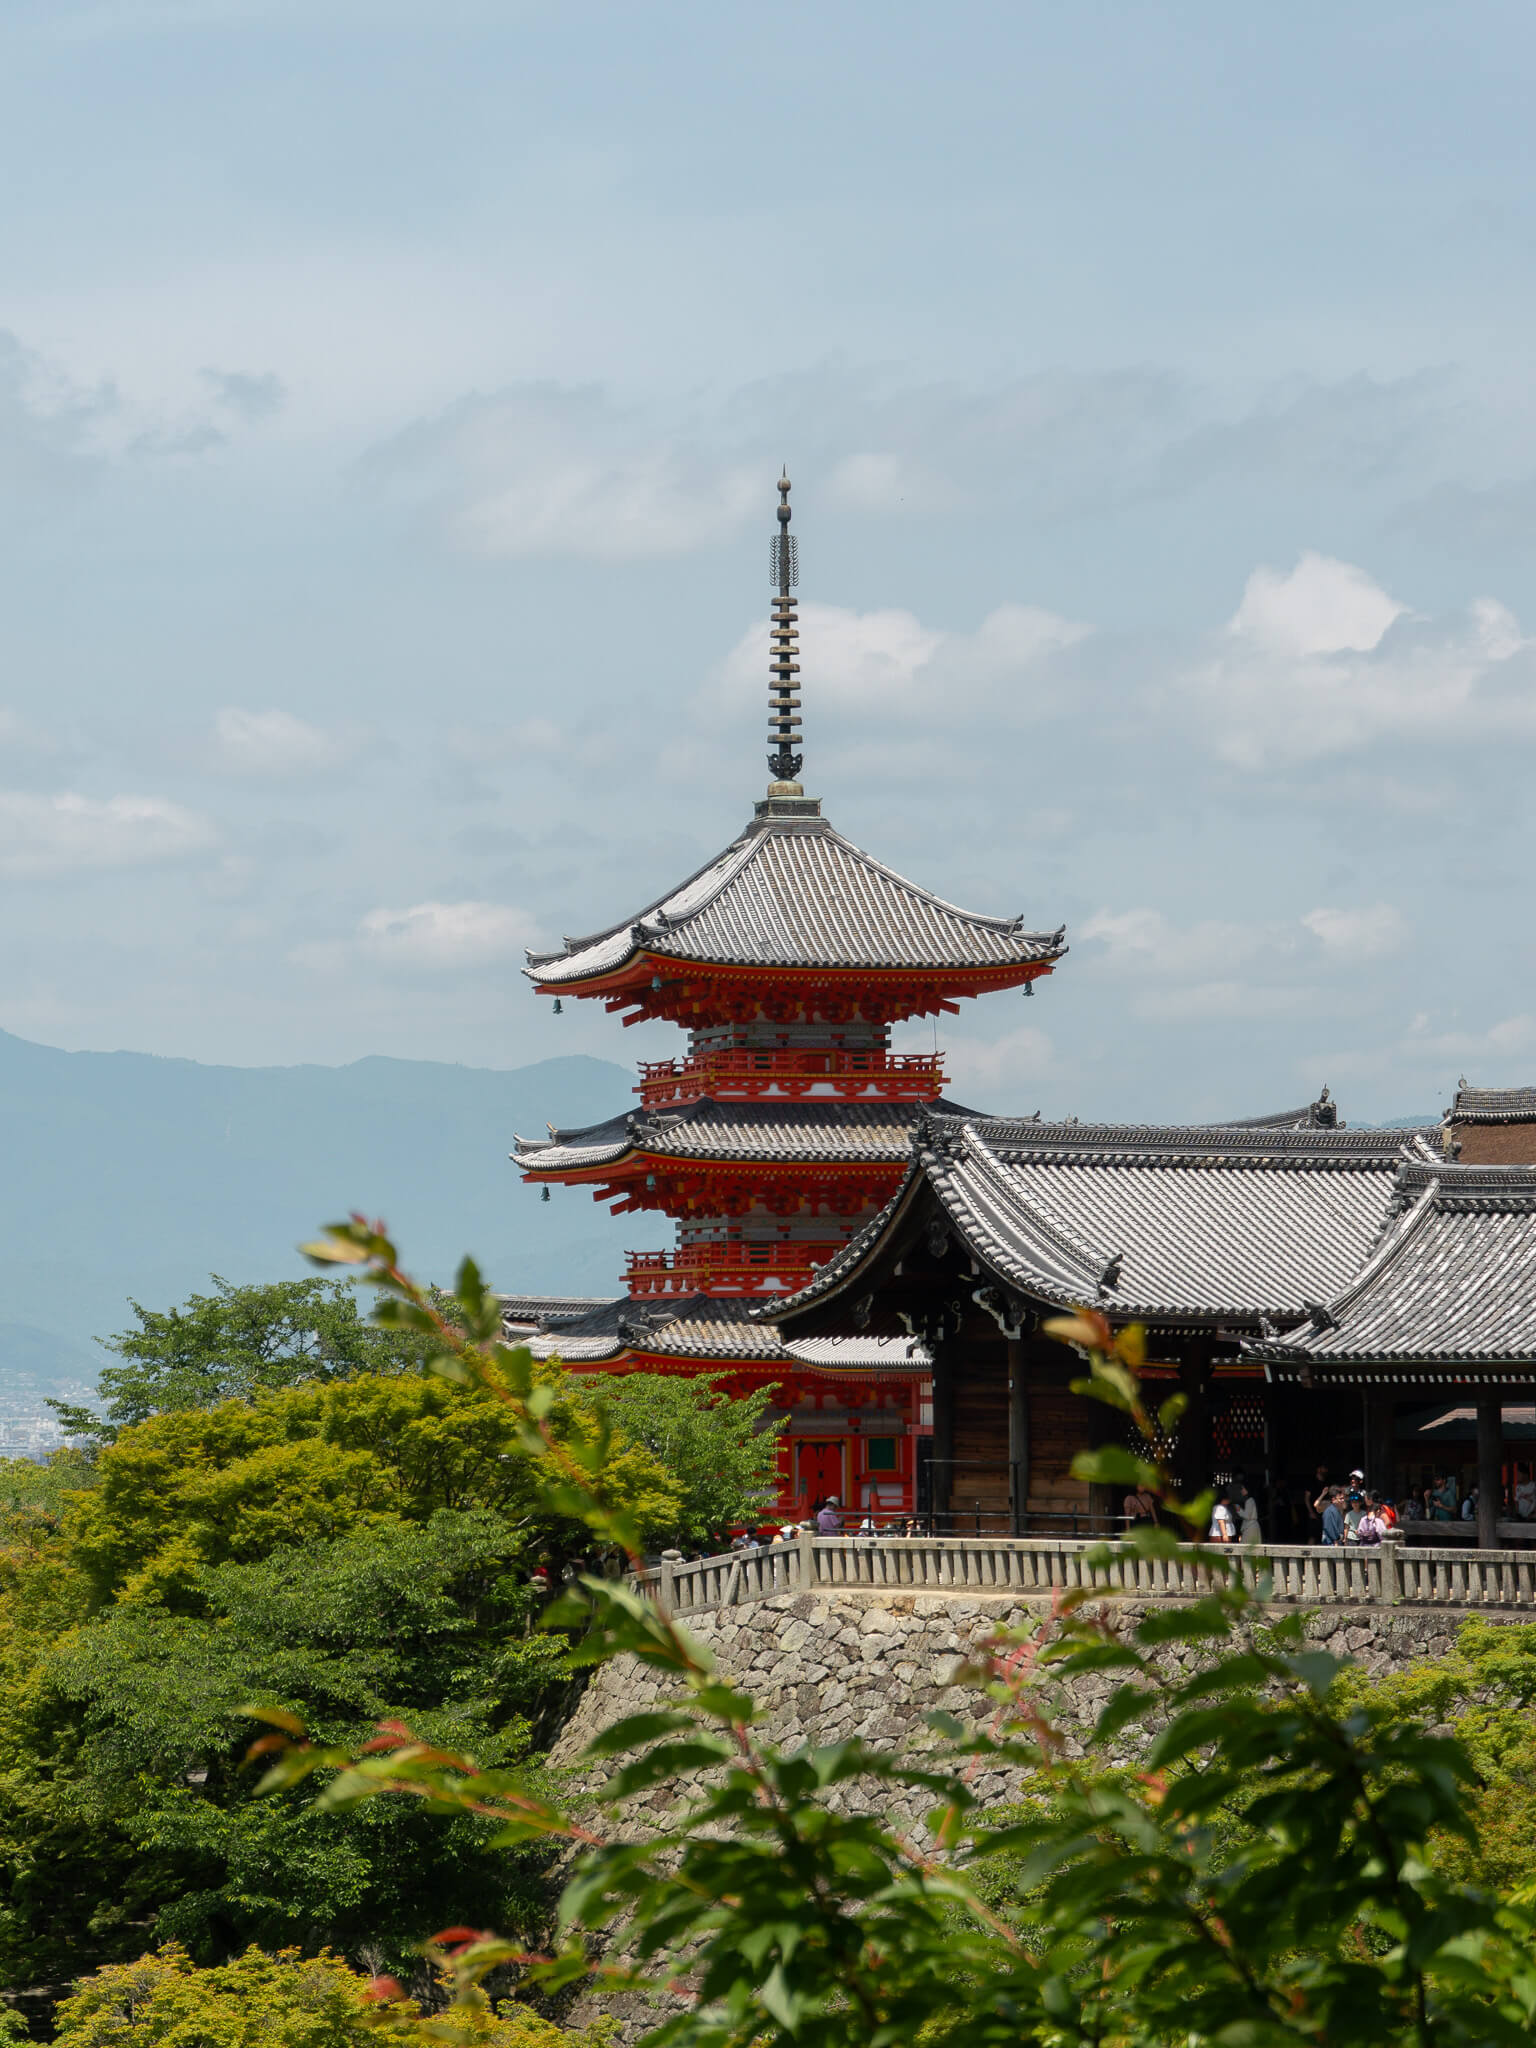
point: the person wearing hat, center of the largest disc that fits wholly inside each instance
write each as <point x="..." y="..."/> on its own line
<point x="829" y="1518"/>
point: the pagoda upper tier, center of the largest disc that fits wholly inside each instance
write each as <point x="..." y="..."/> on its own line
<point x="794" y="922"/>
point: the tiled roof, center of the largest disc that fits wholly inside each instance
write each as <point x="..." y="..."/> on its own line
<point x="1494" y="1106"/>
<point x="537" y="1311"/>
<point x="1453" y="1282"/>
<point x="702" y="1328"/>
<point x="799" y="1131"/>
<point x="792" y="892"/>
<point x="1170" y="1222"/>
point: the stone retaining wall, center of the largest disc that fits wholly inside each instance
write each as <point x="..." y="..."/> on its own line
<point x="826" y="1666"/>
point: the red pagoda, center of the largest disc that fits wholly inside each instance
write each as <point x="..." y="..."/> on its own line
<point x="787" y="1124"/>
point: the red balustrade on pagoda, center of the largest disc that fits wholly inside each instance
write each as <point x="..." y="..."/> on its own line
<point x="792" y="1074"/>
<point x="729" y="1268"/>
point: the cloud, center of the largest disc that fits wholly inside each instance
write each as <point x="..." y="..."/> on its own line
<point x="441" y="935"/>
<point x="1361" y="934"/>
<point x="889" y="663"/>
<point x="542" y="471"/>
<point x="1324" y="662"/>
<point x="1322" y="607"/>
<point x="981" y="1072"/>
<point x="250" y="397"/>
<point x="276" y="744"/>
<point x="72" y="834"/>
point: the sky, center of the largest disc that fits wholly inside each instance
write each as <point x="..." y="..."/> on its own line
<point x="391" y="397"/>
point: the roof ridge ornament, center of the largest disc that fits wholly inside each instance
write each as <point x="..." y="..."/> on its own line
<point x="784" y="697"/>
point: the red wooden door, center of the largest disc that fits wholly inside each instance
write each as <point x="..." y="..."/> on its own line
<point x="819" y="1470"/>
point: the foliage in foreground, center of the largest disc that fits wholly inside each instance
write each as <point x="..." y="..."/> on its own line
<point x="286" y="2000"/>
<point x="1257" y="1876"/>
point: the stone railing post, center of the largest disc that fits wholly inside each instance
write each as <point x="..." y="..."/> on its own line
<point x="1391" y="1568"/>
<point x="806" y="1543"/>
<point x="666" y="1591"/>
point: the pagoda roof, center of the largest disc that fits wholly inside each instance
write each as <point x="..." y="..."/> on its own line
<point x="1451" y="1284"/>
<point x="1169" y="1223"/>
<point x="1493" y="1106"/>
<point x="701" y="1329"/>
<point x="802" y="1132"/>
<point x="792" y="892"/>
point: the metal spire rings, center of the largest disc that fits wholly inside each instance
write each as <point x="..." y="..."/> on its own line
<point x="784" y="698"/>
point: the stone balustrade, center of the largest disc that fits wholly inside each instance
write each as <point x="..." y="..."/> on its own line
<point x="1391" y="1574"/>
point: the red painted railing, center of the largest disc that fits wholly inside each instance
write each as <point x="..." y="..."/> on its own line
<point x="792" y="1073"/>
<point x="726" y="1268"/>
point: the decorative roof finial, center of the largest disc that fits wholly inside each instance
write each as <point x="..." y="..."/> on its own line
<point x="784" y="698"/>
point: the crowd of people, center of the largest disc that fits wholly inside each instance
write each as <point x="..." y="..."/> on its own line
<point x="1329" y="1513"/>
<point x="1319" y="1511"/>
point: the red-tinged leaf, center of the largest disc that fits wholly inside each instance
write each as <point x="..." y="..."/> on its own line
<point x="383" y="1990"/>
<point x="1088" y="1330"/>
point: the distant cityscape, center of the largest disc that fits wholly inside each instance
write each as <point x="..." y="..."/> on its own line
<point x="29" y="1428"/>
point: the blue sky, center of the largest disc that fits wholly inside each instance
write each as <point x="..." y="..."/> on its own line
<point x="390" y="402"/>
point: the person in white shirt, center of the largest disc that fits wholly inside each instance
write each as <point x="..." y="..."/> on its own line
<point x="1223" y="1521"/>
<point x="1248" y="1515"/>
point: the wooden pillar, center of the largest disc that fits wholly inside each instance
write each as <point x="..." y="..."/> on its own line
<point x="942" y="1482"/>
<point x="1192" y="1462"/>
<point x="1379" y="1418"/>
<point x="1490" y="1457"/>
<point x="1018" y="1436"/>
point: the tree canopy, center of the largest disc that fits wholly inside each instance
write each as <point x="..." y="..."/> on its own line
<point x="241" y="1341"/>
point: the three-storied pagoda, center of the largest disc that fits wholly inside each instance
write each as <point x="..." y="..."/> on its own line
<point x="787" y="1124"/>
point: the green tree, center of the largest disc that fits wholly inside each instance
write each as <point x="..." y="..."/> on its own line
<point x="396" y="1620"/>
<point x="721" y="1451"/>
<point x="238" y="1342"/>
<point x="287" y="2000"/>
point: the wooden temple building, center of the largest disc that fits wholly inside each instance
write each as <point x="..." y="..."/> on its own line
<point x="886" y="1259"/>
<point x="1311" y="1290"/>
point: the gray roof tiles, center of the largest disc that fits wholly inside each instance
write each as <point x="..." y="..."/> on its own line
<point x="704" y="1328"/>
<point x="793" y="892"/>
<point x="1453" y="1281"/>
<point x="805" y="1131"/>
<point x="1494" y="1106"/>
<point x="1207" y="1225"/>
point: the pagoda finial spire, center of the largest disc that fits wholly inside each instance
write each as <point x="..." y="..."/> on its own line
<point x="784" y="697"/>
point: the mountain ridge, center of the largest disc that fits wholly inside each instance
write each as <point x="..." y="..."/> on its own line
<point x="139" y="1174"/>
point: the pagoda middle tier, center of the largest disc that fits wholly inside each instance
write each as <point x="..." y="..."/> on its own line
<point x="788" y="1122"/>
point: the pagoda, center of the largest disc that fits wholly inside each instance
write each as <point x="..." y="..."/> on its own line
<point x="787" y="1123"/>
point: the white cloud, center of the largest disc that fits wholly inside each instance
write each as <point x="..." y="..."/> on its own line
<point x="438" y="935"/>
<point x="1360" y="934"/>
<point x="981" y="1073"/>
<point x="275" y="743"/>
<point x="889" y="661"/>
<point x="1324" y="661"/>
<point x="542" y="470"/>
<point x="1322" y="607"/>
<point x="1144" y="942"/>
<point x="73" y="834"/>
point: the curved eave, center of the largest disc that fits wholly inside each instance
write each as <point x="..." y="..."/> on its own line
<point x="635" y="974"/>
<point x="804" y="1165"/>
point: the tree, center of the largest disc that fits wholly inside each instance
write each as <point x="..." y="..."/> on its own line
<point x="287" y="2000"/>
<point x="1254" y="1877"/>
<point x="721" y="1451"/>
<point x="238" y="1342"/>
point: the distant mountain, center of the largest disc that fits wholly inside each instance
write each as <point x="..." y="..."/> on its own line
<point x="131" y="1175"/>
